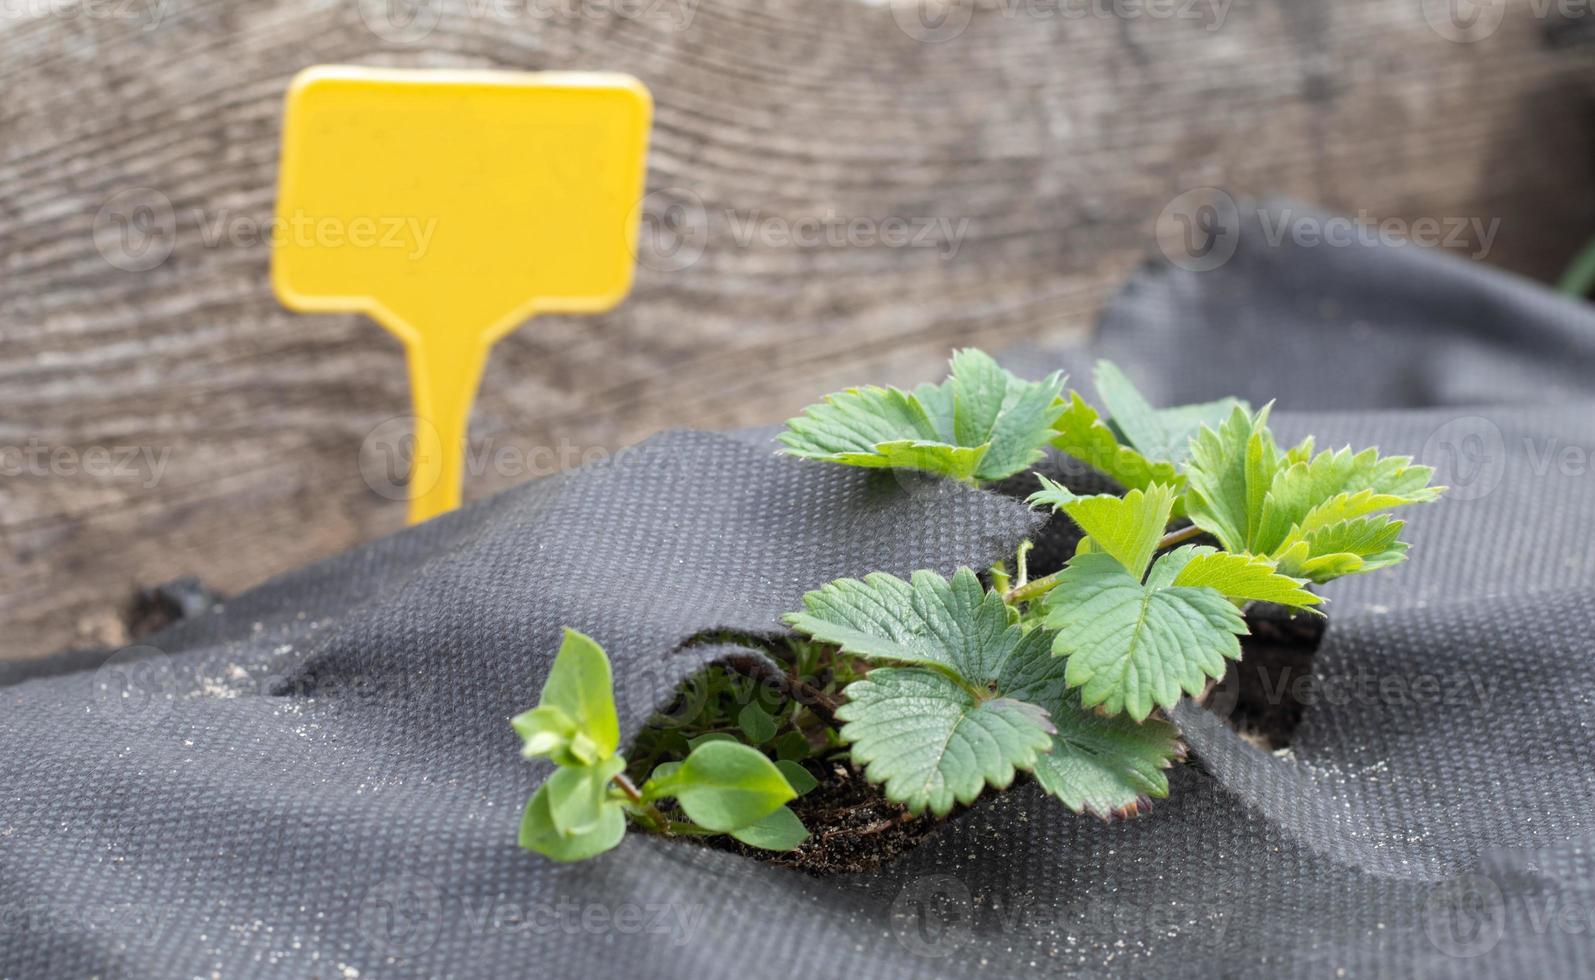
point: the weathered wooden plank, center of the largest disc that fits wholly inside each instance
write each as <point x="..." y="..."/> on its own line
<point x="1050" y="142"/>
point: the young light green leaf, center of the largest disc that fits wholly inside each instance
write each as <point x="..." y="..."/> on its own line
<point x="724" y="786"/>
<point x="934" y="741"/>
<point x="797" y="776"/>
<point x="545" y="731"/>
<point x="1317" y="516"/>
<point x="756" y="723"/>
<point x="1128" y="527"/>
<point x="1361" y="544"/>
<point x="1162" y="434"/>
<point x="579" y="691"/>
<point x="780" y="831"/>
<point x="1132" y="645"/>
<point x="539" y="832"/>
<point x="1081" y="433"/>
<point x="577" y="795"/>
<point x="981" y="424"/>
<point x="1336" y="486"/>
<point x="1230" y="472"/>
<point x="1243" y="578"/>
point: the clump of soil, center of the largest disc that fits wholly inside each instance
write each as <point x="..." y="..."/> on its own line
<point x="852" y="826"/>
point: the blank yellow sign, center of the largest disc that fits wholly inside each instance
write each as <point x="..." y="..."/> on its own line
<point x="451" y="206"/>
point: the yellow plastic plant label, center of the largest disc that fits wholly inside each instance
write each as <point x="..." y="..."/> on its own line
<point x="451" y="206"/>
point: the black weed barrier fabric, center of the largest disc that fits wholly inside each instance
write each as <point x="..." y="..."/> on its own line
<point x="318" y="779"/>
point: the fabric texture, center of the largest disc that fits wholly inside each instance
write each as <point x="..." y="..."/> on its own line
<point x="318" y="779"/>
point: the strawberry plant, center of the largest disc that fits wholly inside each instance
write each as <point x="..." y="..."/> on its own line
<point x="939" y="688"/>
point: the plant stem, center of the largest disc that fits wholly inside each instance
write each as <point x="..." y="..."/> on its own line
<point x="760" y="669"/>
<point x="646" y="811"/>
<point x="628" y="787"/>
<point x="1033" y="590"/>
<point x="1022" y="560"/>
<point x="1181" y="536"/>
<point x="1026" y="591"/>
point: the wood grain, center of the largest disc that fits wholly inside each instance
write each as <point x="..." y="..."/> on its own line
<point x="1056" y="139"/>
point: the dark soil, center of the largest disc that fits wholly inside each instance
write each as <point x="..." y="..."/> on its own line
<point x="1262" y="696"/>
<point x="852" y="826"/>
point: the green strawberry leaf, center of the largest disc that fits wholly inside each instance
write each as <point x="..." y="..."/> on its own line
<point x="1130" y="645"/>
<point x="1316" y="516"/>
<point x="1361" y="544"/>
<point x="981" y="699"/>
<point x="955" y="626"/>
<point x="1081" y="433"/>
<point x="933" y="741"/>
<point x="1160" y="434"/>
<point x="1231" y="471"/>
<point x="1243" y="578"/>
<point x="982" y="424"/>
<point x="1128" y="527"/>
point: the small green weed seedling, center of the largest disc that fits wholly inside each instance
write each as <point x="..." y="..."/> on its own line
<point x="939" y="688"/>
<point x="720" y="787"/>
